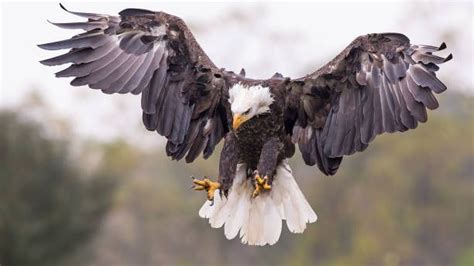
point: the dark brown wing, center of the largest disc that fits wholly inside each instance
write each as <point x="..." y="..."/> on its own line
<point x="379" y="83"/>
<point x="155" y="54"/>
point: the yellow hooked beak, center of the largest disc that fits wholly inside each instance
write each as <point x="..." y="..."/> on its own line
<point x="239" y="120"/>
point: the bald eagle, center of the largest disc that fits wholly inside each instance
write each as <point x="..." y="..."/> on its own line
<point x="379" y="83"/>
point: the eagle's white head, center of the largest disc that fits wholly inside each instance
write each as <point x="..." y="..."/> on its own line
<point x="247" y="102"/>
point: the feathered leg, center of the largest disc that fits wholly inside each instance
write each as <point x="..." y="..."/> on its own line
<point x="228" y="162"/>
<point x="263" y="176"/>
<point x="227" y="167"/>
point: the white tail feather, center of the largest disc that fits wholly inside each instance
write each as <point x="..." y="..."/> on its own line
<point x="259" y="220"/>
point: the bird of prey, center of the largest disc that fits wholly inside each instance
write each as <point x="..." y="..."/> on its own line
<point x="379" y="83"/>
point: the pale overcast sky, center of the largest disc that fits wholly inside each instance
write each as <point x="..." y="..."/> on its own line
<point x="291" y="38"/>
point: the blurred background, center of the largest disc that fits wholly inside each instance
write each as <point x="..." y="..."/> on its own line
<point x="83" y="183"/>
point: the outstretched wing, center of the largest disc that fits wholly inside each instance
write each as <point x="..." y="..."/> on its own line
<point x="379" y="83"/>
<point x="155" y="54"/>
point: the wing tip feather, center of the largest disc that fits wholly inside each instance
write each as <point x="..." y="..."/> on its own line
<point x="450" y="56"/>
<point x="46" y="46"/>
<point x="63" y="7"/>
<point x="442" y="46"/>
<point x="47" y="62"/>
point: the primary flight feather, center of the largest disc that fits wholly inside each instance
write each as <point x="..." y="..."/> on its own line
<point x="379" y="83"/>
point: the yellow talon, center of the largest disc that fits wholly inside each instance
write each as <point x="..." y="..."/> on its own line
<point x="208" y="185"/>
<point x="261" y="184"/>
<point x="267" y="186"/>
<point x="256" y="191"/>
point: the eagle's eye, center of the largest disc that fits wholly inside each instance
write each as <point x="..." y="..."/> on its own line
<point x="246" y="112"/>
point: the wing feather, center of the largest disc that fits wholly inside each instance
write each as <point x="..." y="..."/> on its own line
<point x="118" y="84"/>
<point x="92" y="40"/>
<point x="134" y="82"/>
<point x="155" y="54"/>
<point x="379" y="83"/>
<point x="87" y="26"/>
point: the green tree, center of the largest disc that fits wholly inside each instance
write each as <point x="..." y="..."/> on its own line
<point x="48" y="207"/>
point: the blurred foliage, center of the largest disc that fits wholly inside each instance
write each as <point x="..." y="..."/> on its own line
<point x="48" y="208"/>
